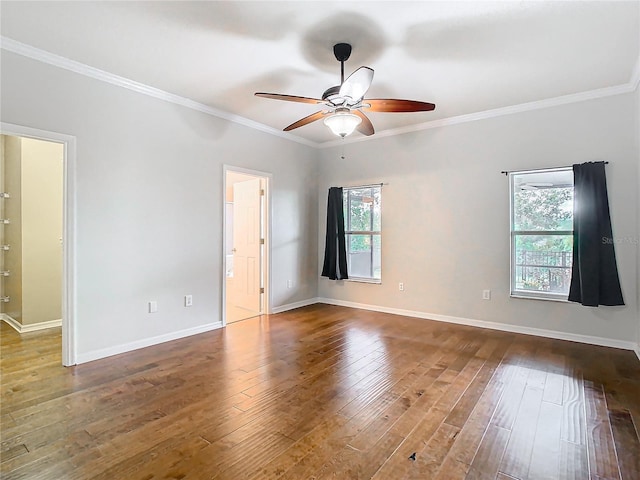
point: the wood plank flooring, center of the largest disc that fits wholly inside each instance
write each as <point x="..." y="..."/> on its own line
<point x="323" y="392"/>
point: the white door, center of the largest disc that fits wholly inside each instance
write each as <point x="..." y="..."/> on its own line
<point x="246" y="244"/>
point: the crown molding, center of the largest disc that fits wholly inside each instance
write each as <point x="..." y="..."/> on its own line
<point x="496" y="112"/>
<point x="43" y="56"/>
<point x="628" y="87"/>
<point x="34" y="53"/>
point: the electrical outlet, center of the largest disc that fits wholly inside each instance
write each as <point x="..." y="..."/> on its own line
<point x="153" y="306"/>
<point x="188" y="300"/>
<point x="401" y="287"/>
<point x="486" y="294"/>
<point x="289" y="283"/>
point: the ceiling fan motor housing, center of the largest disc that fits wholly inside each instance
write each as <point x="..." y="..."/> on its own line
<point x="342" y="51"/>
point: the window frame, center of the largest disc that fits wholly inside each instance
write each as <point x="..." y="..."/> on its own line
<point x="529" y="294"/>
<point x="372" y="232"/>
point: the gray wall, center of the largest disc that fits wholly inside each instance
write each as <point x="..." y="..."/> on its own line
<point x="150" y="202"/>
<point x="446" y="212"/>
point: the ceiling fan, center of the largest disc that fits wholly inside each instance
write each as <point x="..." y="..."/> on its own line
<point x="344" y="103"/>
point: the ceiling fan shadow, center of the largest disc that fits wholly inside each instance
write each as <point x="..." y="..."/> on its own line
<point x="240" y="98"/>
<point x="481" y="37"/>
<point x="363" y="34"/>
<point x="381" y="89"/>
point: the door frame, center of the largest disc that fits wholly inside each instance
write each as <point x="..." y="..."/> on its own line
<point x="69" y="305"/>
<point x="266" y="261"/>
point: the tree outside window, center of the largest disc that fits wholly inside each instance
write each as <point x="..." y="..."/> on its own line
<point x="541" y="232"/>
<point x="363" y="228"/>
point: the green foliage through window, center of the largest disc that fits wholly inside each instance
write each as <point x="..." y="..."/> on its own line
<point x="363" y="231"/>
<point x="542" y="231"/>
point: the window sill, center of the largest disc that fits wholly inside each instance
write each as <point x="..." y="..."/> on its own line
<point x="375" y="281"/>
<point x="549" y="298"/>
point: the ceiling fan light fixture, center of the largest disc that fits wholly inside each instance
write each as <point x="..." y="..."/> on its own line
<point x="342" y="124"/>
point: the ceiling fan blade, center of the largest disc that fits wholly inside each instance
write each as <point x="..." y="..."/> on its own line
<point x="395" y="105"/>
<point x="366" y="127"/>
<point x="289" y="98"/>
<point x="357" y="84"/>
<point x="306" y="120"/>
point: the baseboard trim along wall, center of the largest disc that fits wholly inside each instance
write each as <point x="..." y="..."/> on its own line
<point x="146" y="342"/>
<point x="294" y="305"/>
<point x="539" y="332"/>
<point x="18" y="327"/>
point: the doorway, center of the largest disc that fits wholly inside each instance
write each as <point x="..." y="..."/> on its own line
<point x="37" y="230"/>
<point x="246" y="244"/>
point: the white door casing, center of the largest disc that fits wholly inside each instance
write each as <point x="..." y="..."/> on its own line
<point x="69" y="347"/>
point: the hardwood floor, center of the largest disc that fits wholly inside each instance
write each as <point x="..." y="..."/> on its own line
<point x="323" y="392"/>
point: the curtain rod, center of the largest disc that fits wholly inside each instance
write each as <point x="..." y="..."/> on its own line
<point x="507" y="172"/>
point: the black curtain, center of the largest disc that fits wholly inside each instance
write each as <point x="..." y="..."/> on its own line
<point x="594" y="278"/>
<point x="335" y="253"/>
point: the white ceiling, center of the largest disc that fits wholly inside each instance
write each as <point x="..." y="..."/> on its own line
<point x="465" y="57"/>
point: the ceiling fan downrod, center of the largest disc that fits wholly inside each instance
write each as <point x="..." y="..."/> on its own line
<point x="342" y="52"/>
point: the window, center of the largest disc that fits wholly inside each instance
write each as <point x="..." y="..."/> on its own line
<point x="541" y="233"/>
<point x="362" y="231"/>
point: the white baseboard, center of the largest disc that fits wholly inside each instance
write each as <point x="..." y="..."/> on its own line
<point x="11" y="322"/>
<point x="291" y="306"/>
<point x="18" y="327"/>
<point x="540" y="332"/>
<point x="146" y="342"/>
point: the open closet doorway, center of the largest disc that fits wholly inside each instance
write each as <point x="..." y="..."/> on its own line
<point x="246" y="244"/>
<point x="37" y="241"/>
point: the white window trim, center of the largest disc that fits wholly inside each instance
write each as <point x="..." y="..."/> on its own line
<point x="524" y="294"/>
<point x="375" y="281"/>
